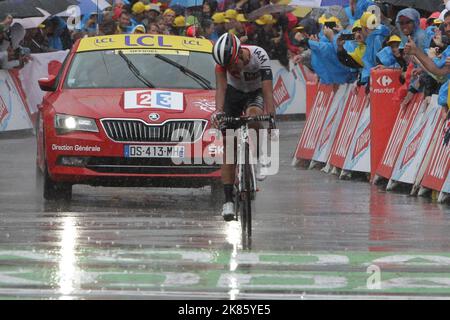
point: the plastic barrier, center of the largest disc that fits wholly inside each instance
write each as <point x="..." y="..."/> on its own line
<point x="354" y="106"/>
<point x="311" y="82"/>
<point x="383" y="112"/>
<point x="347" y="131"/>
<point x="311" y="132"/>
<point x="401" y="128"/>
<point x="331" y="124"/>
<point x="438" y="166"/>
<point x="13" y="109"/>
<point x="358" y="155"/>
<point x="416" y="144"/>
<point x="289" y="88"/>
<point x="312" y="88"/>
<point x="445" y="188"/>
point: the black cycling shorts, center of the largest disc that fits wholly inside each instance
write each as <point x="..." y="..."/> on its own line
<point x="237" y="102"/>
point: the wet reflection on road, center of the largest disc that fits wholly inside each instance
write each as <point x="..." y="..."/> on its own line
<point x="313" y="235"/>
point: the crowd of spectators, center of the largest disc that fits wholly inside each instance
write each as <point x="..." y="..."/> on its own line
<point x="341" y="45"/>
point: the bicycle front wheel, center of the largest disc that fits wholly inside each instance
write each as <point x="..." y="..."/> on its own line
<point x="246" y="200"/>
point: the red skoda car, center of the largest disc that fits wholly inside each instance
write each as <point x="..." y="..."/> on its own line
<point x="129" y="110"/>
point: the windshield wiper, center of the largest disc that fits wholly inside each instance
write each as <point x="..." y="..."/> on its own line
<point x="205" y="83"/>
<point x="135" y="70"/>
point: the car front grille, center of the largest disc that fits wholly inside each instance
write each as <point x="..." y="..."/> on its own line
<point x="123" y="130"/>
<point x="143" y="165"/>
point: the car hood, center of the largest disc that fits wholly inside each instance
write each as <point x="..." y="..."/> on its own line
<point x="110" y="103"/>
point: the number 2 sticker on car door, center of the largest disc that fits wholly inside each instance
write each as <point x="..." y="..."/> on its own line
<point x="153" y="99"/>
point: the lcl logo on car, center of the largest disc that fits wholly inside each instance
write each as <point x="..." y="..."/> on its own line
<point x="154" y="116"/>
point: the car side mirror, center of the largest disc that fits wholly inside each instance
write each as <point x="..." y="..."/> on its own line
<point x="47" y="84"/>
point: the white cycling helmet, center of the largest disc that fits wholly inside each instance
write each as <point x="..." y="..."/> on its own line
<point x="226" y="49"/>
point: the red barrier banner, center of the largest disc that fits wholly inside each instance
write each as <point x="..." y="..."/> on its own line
<point x="354" y="106"/>
<point x="312" y="85"/>
<point x="438" y="166"/>
<point x="417" y="143"/>
<point x="331" y="124"/>
<point x="358" y="155"/>
<point x="403" y="123"/>
<point x="314" y="123"/>
<point x="311" y="93"/>
<point x="383" y="112"/>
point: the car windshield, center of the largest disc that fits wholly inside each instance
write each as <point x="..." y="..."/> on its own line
<point x="107" y="69"/>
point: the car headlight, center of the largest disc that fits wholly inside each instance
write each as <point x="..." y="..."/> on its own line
<point x="66" y="123"/>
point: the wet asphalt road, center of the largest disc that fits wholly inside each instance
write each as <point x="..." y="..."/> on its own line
<point x="314" y="236"/>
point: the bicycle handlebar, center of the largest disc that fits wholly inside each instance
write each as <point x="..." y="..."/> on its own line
<point x="245" y="119"/>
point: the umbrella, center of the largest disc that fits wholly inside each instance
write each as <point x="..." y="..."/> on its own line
<point x="319" y="3"/>
<point x="428" y="5"/>
<point x="333" y="11"/>
<point x="52" y="6"/>
<point x="28" y="8"/>
<point x="187" y="3"/>
<point x="86" y="7"/>
<point x="32" y="22"/>
<point x="269" y="9"/>
<point x="18" y="9"/>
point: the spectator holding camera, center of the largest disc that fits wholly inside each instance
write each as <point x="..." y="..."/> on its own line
<point x="324" y="59"/>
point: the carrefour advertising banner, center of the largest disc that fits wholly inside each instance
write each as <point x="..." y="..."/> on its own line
<point x="358" y="156"/>
<point x="417" y="143"/>
<point x="331" y="125"/>
<point x="289" y="88"/>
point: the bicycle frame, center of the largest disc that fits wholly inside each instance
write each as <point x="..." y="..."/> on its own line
<point x="242" y="146"/>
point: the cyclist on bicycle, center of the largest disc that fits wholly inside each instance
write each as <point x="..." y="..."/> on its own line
<point x="243" y="84"/>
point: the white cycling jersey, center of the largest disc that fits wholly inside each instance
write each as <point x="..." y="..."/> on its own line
<point x="249" y="78"/>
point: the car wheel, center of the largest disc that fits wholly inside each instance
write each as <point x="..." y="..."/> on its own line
<point x="50" y="189"/>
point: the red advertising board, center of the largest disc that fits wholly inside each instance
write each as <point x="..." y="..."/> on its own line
<point x="438" y="166"/>
<point x="384" y="110"/>
<point x="403" y="123"/>
<point x="354" y="106"/>
<point x="311" y="132"/>
<point x="280" y="93"/>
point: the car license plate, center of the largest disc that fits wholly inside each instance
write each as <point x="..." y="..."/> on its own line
<point x="143" y="151"/>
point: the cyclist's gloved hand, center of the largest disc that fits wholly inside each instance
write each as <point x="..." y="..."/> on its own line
<point x="215" y="118"/>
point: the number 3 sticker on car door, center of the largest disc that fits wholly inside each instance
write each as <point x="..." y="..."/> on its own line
<point x="153" y="99"/>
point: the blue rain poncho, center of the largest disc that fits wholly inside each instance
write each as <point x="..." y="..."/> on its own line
<point x="326" y="64"/>
<point x="387" y="58"/>
<point x="374" y="44"/>
<point x="419" y="36"/>
<point x="443" y="92"/>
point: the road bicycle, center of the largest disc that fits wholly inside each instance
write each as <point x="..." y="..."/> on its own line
<point x="245" y="186"/>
